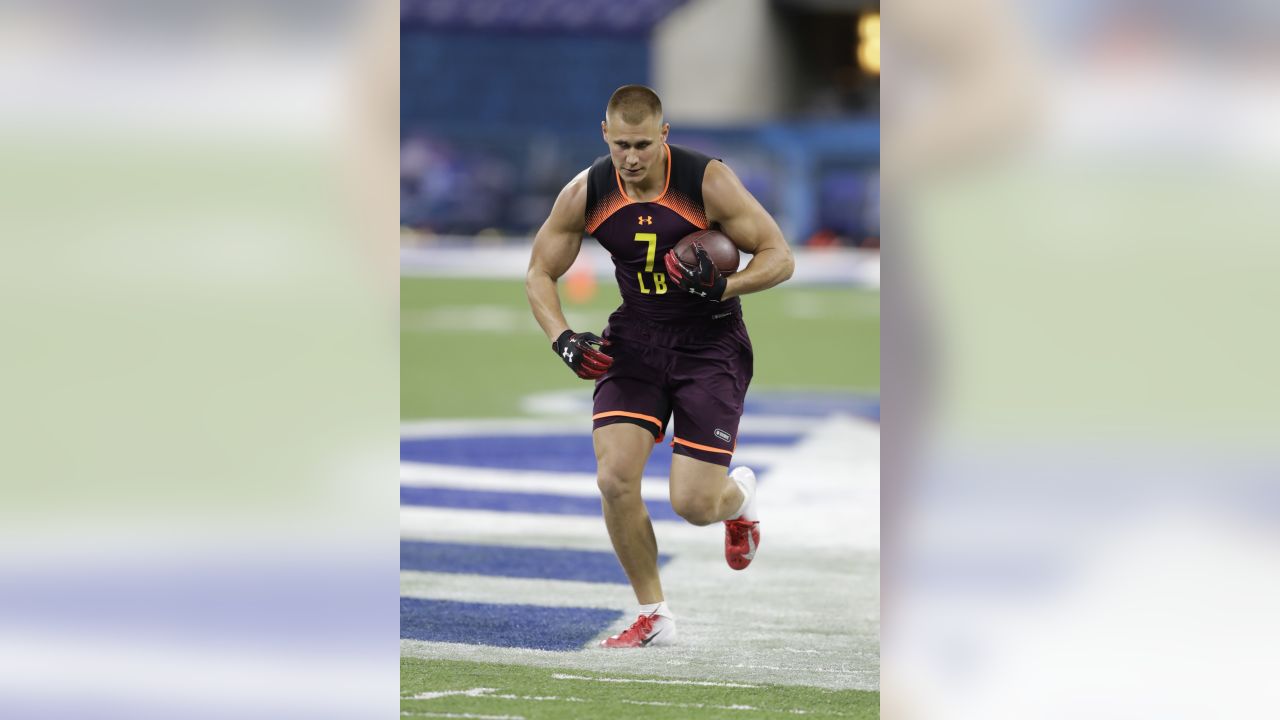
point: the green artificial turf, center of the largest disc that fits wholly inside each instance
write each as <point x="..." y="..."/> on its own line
<point x="471" y="348"/>
<point x="451" y="688"/>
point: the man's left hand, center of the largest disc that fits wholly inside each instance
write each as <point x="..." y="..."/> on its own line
<point x="702" y="278"/>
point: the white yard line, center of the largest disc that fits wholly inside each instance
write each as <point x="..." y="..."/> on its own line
<point x="526" y="529"/>
<point x="529" y="481"/>
<point x="460" y="715"/>
<point x="763" y="456"/>
<point x="827" y="493"/>
<point x="483" y="526"/>
<point x="418" y="474"/>
<point x="473" y="692"/>
<point x="648" y="681"/>
<point x="488" y="693"/>
<point x="690" y="705"/>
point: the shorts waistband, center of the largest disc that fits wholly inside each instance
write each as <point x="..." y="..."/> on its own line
<point x="728" y="319"/>
<point x="623" y="321"/>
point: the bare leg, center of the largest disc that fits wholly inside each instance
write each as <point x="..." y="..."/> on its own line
<point x="701" y="492"/>
<point x="621" y="452"/>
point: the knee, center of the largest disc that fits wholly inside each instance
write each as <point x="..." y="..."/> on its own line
<point x="614" y="486"/>
<point x="697" y="508"/>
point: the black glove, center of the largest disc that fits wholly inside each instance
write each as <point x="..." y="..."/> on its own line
<point x="581" y="352"/>
<point x="702" y="278"/>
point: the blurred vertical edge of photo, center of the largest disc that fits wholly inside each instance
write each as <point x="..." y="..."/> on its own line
<point x="1080" y="457"/>
<point x="199" y="369"/>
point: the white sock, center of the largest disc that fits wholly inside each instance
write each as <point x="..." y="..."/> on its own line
<point x="660" y="608"/>
<point x="748" y="509"/>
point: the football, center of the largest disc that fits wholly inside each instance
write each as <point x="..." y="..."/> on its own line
<point x="719" y="247"/>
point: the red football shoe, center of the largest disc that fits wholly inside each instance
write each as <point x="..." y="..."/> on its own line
<point x="741" y="538"/>
<point x="647" y="631"/>
<point x="742" y="535"/>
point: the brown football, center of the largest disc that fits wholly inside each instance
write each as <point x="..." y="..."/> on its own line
<point x="718" y="246"/>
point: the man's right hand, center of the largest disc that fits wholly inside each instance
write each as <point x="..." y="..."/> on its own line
<point x="582" y="353"/>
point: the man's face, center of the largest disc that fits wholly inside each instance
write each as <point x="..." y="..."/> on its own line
<point x="636" y="149"/>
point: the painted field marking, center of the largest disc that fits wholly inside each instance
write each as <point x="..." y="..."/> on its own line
<point x="552" y="452"/>
<point x="461" y="715"/>
<point x="460" y="477"/>
<point x="690" y="705"/>
<point x="783" y="668"/>
<point x="503" y="625"/>
<point x="473" y="692"/>
<point x="519" y="502"/>
<point x="539" y="698"/>
<point x="500" y="589"/>
<point x="702" y="683"/>
<point x="812" y="469"/>
<point x="520" y="562"/>
<point x="450" y="525"/>
<point x="488" y="693"/>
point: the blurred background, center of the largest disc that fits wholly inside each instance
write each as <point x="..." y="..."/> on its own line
<point x="1080" y="460"/>
<point x="502" y="102"/>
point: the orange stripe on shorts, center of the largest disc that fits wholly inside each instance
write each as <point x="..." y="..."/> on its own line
<point x="696" y="446"/>
<point x="624" y="413"/>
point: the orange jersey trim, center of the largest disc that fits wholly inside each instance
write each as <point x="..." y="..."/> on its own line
<point x="677" y="204"/>
<point x="602" y="214"/>
<point x="666" y="184"/>
<point x="685" y="210"/>
<point x="696" y="446"/>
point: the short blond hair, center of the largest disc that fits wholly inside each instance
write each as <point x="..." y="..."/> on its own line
<point x="634" y="104"/>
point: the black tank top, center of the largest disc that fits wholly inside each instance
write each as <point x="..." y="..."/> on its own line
<point x="639" y="234"/>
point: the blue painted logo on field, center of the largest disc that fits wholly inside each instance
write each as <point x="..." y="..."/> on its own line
<point x="541" y="468"/>
<point x="597" y="566"/>
<point x="559" y="452"/>
<point x="523" y="626"/>
<point x="519" y="502"/>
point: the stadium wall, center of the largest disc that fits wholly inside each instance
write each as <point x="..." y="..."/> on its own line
<point x="469" y="257"/>
<point x="739" y="51"/>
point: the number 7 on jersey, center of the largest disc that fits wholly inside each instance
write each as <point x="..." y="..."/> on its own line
<point x="659" y="279"/>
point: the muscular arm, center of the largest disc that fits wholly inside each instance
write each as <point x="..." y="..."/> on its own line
<point x="555" y="247"/>
<point x="752" y="229"/>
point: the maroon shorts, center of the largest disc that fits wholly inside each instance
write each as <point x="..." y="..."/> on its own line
<point x="699" y="374"/>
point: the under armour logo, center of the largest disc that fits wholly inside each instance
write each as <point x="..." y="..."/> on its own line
<point x="568" y="354"/>
<point x="645" y="219"/>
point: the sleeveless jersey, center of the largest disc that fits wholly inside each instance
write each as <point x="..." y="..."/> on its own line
<point x="639" y="234"/>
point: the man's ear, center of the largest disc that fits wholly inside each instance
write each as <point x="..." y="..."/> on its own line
<point x="666" y="128"/>
<point x="604" y="130"/>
